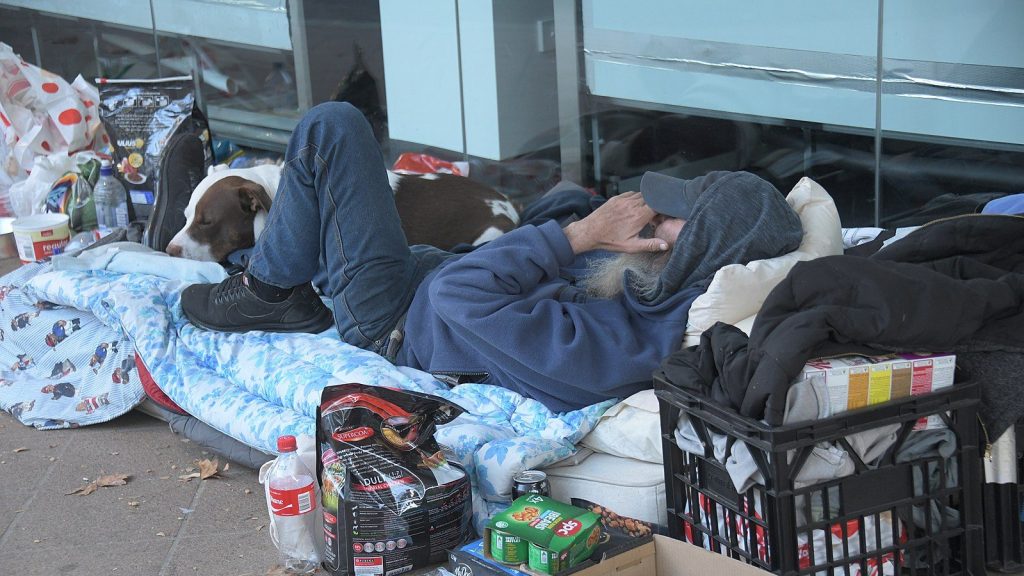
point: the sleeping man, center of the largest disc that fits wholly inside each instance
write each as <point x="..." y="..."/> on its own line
<point x="568" y="316"/>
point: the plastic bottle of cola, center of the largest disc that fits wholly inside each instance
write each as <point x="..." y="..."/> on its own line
<point x="292" y="501"/>
<point x="111" y="200"/>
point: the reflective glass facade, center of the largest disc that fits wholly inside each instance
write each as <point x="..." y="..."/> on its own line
<point x="897" y="108"/>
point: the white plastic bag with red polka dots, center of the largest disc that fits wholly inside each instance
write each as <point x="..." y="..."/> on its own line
<point x="41" y="114"/>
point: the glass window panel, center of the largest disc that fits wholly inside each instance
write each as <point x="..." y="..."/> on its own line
<point x="952" y="108"/>
<point x="781" y="89"/>
<point x="16" y="31"/>
<point x="597" y="91"/>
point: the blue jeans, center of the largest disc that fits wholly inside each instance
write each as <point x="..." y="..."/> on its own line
<point x="334" y="222"/>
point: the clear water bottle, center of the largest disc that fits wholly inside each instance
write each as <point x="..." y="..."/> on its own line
<point x="291" y="498"/>
<point x="111" y="199"/>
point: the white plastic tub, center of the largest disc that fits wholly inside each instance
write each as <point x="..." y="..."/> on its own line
<point x="40" y="236"/>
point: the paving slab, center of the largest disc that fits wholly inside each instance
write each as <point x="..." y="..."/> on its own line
<point x="224" y="506"/>
<point x="127" y="558"/>
<point x="155" y="524"/>
<point x="26" y="457"/>
<point x="230" y="554"/>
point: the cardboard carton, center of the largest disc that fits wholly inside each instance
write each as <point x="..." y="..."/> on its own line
<point x="559" y="535"/>
<point x="657" y="556"/>
<point x="857" y="381"/>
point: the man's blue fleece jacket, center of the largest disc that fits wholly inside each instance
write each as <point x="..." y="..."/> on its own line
<point x="508" y="314"/>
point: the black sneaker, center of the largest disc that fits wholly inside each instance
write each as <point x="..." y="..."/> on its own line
<point x="232" y="307"/>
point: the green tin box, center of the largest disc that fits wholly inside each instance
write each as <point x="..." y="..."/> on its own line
<point x="559" y="534"/>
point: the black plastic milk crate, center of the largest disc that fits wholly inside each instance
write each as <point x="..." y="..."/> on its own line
<point x="1001" y="508"/>
<point x="859" y="525"/>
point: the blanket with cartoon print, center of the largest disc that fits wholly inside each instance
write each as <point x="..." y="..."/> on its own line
<point x="252" y="387"/>
<point x="60" y="367"/>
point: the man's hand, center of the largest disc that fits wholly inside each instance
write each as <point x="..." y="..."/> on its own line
<point x="615" y="226"/>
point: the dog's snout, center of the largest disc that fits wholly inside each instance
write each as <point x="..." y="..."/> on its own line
<point x="174" y="250"/>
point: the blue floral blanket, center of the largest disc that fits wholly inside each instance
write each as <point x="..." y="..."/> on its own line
<point x="253" y="387"/>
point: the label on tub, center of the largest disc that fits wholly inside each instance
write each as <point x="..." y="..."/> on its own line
<point x="40" y="236"/>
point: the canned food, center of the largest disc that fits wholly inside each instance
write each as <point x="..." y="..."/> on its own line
<point x="545" y="561"/>
<point x="530" y="482"/>
<point x="507" y="549"/>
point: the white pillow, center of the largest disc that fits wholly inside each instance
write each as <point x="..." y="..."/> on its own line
<point x="630" y="429"/>
<point x="737" y="291"/>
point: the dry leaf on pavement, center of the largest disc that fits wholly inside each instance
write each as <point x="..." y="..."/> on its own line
<point x="84" y="490"/>
<point x="208" y="468"/>
<point x="109" y="480"/>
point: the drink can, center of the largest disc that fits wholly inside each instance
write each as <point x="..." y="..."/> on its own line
<point x="530" y="482"/>
<point x="507" y="549"/>
<point x="545" y="561"/>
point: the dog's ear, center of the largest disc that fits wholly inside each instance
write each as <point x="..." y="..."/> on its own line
<point x="253" y="197"/>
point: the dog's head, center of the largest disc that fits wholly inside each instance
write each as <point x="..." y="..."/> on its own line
<point x="222" y="216"/>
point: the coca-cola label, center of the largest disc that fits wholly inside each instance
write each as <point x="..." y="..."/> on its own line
<point x="292" y="502"/>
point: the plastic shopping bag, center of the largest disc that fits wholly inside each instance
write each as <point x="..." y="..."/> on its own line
<point x="413" y="163"/>
<point x="41" y="114"/>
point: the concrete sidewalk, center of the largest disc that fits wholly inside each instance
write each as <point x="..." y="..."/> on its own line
<point x="155" y="525"/>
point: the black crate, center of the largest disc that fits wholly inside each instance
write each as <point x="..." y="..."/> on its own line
<point x="863" y="521"/>
<point x="1001" y="505"/>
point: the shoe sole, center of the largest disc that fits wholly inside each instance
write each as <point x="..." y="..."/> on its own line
<point x="312" y="326"/>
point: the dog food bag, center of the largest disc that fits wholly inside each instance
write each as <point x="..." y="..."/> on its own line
<point x="141" y="117"/>
<point x="557" y="536"/>
<point x="392" y="502"/>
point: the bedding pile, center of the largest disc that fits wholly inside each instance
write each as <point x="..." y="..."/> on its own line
<point x="252" y="387"/>
<point x="255" y="387"/>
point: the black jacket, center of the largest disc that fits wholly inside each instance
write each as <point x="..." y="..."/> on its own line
<point x="952" y="285"/>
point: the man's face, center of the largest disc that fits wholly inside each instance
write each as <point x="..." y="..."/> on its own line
<point x="667" y="228"/>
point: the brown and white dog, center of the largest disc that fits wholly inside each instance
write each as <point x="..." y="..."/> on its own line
<point x="228" y="210"/>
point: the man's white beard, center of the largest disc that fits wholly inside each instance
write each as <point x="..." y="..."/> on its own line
<point x="604" y="277"/>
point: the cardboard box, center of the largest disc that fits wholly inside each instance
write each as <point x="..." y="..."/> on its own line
<point x="858" y="381"/>
<point x="657" y="556"/>
<point x="557" y="535"/>
<point x="476" y="554"/>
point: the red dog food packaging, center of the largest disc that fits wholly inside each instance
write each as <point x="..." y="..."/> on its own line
<point x="392" y="502"/>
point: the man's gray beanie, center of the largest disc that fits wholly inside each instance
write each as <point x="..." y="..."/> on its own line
<point x="731" y="218"/>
